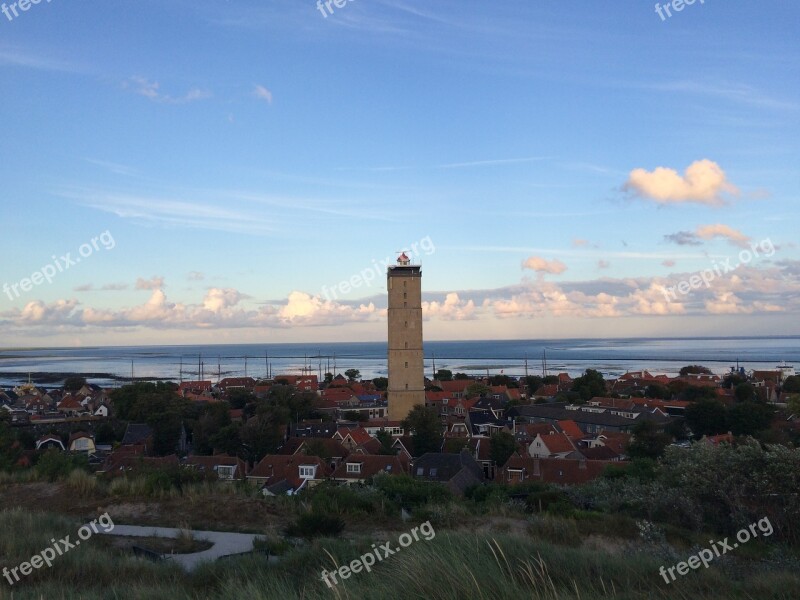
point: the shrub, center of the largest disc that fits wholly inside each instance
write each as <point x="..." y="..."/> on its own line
<point x="313" y="524"/>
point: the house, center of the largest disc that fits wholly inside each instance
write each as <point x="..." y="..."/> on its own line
<point x="50" y="441"/>
<point x="328" y="449"/>
<point x="557" y="445"/>
<point x="227" y="468"/>
<point x="228" y="384"/>
<point x="618" y="442"/>
<point x="456" y="471"/>
<point x="82" y="442"/>
<point x="563" y="471"/>
<point x="103" y="410"/>
<point x="716" y="440"/>
<point x="280" y="475"/>
<point x="393" y="428"/>
<point x="352" y="438"/>
<point x="121" y="461"/>
<point x="70" y="405"/>
<point x="139" y="438"/>
<point x="358" y="468"/>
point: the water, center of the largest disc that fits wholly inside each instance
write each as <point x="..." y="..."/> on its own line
<point x="106" y="365"/>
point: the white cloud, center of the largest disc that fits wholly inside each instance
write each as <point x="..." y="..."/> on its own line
<point x="703" y="182"/>
<point x="152" y="91"/>
<point x="263" y="93"/>
<point x="541" y="265"/>
<point x="154" y="283"/>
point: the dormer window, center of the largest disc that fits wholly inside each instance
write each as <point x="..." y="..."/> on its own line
<point x="354" y="467"/>
<point x="307" y="471"/>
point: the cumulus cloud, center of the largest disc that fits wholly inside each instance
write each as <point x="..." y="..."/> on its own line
<point x="541" y="265"/>
<point x="452" y="309"/>
<point x="703" y="182"/>
<point x="154" y="283"/>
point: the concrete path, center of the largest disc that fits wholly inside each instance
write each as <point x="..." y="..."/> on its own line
<point x="225" y="544"/>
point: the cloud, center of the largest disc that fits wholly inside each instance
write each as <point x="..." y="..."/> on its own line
<point x="735" y="237"/>
<point x="263" y="93"/>
<point x="86" y="287"/>
<point x="668" y="263"/>
<point x="541" y="265"/>
<point x="708" y="232"/>
<point x="703" y="182"/>
<point x="579" y="243"/>
<point x="452" y="309"/>
<point x="114" y="287"/>
<point x="195" y="276"/>
<point x="683" y="238"/>
<point x="152" y="91"/>
<point x="603" y="264"/>
<point x="154" y="283"/>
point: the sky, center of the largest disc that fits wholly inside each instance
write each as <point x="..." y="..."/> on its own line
<point x="241" y="171"/>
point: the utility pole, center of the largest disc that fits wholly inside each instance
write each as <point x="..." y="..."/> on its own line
<point x="245" y="366"/>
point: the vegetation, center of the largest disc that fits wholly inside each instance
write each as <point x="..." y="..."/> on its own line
<point x="694" y="370"/>
<point x="589" y="385"/>
<point x="423" y="422"/>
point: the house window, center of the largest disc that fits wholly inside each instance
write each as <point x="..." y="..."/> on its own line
<point x="354" y="467"/>
<point x="420" y="471"/>
<point x="433" y="472"/>
<point x="307" y="472"/>
<point x="225" y="471"/>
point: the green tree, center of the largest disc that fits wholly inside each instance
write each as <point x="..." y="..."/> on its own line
<point x="386" y="440"/>
<point x="356" y="415"/>
<point x="695" y="370"/>
<point x="648" y="441"/>
<point x="792" y="385"/>
<point x="695" y="394"/>
<point x="589" y="385"/>
<point x="477" y="389"/>
<point x="425" y="427"/>
<point x="744" y="392"/>
<point x="240" y="398"/>
<point x="656" y="390"/>
<point x="328" y="377"/>
<point x="444" y="375"/>
<point x="381" y="383"/>
<point x="352" y="374"/>
<point x="707" y="417"/>
<point x="73" y="384"/>
<point x="502" y="447"/>
<point x="750" y="418"/>
<point x="459" y="376"/>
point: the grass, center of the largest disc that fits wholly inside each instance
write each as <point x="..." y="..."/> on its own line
<point x="549" y="562"/>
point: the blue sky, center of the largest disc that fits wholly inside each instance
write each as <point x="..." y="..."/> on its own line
<point x="564" y="162"/>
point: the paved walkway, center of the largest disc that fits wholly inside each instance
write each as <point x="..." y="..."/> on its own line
<point x="225" y="544"/>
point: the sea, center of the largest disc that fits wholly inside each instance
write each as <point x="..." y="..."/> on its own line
<point x="114" y="366"/>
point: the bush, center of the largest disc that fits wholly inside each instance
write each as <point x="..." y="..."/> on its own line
<point x="54" y="464"/>
<point x="408" y="491"/>
<point x="313" y="524"/>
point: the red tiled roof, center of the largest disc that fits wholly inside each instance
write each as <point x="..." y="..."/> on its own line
<point x="370" y="465"/>
<point x="555" y="470"/>
<point x="275" y="468"/>
<point x="571" y="428"/>
<point x="557" y="443"/>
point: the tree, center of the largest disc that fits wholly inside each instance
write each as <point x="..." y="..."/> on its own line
<point x="328" y="377"/>
<point x="356" y="415"/>
<point x="707" y="417"/>
<point x="749" y="418"/>
<point x="352" y="374"/>
<point x="240" y="398"/>
<point x="73" y="384"/>
<point x="656" y="390"/>
<point x="695" y="394"/>
<point x="424" y="425"/>
<point x="505" y="380"/>
<point x="744" y="392"/>
<point x="444" y="375"/>
<point x="477" y="389"/>
<point x="502" y="447"/>
<point x="386" y="440"/>
<point x="533" y="383"/>
<point x="589" y="385"/>
<point x="695" y="370"/>
<point x="792" y="385"/>
<point x="648" y="441"/>
<point x="458" y="376"/>
<point x="381" y="383"/>
<point x="793" y="402"/>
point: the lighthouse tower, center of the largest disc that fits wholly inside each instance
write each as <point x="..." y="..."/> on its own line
<point x="406" y="369"/>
